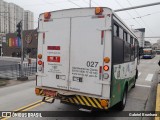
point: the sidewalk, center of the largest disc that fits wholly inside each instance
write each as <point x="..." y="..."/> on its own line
<point x="6" y="83"/>
<point x="158" y="98"/>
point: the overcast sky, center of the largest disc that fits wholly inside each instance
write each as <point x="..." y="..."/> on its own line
<point x="148" y="18"/>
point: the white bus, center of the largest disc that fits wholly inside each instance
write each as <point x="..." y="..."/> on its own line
<point x="86" y="57"/>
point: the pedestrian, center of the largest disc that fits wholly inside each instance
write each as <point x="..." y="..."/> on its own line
<point x="159" y="63"/>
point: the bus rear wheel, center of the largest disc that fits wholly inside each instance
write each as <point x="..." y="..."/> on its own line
<point x="121" y="105"/>
<point x="135" y="78"/>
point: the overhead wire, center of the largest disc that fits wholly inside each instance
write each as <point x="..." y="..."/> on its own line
<point x="86" y="2"/>
<point x="140" y="17"/>
<point x="143" y="15"/>
<point x="74" y="3"/>
<point x="128" y="13"/>
<point x="95" y="3"/>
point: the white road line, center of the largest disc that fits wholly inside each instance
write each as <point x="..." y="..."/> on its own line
<point x="139" y="73"/>
<point x="149" y="77"/>
<point x="143" y="85"/>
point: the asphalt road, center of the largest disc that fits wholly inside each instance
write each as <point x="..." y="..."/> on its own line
<point x="141" y="98"/>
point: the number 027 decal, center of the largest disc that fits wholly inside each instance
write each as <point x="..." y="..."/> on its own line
<point x="91" y="64"/>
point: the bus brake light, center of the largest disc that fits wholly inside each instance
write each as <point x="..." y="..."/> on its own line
<point x="106" y="68"/>
<point x="39" y="62"/>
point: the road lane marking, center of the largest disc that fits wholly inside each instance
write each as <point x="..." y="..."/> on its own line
<point x="149" y="77"/>
<point x="26" y="107"/>
<point x="19" y="109"/>
<point x="143" y="85"/>
<point x="139" y="73"/>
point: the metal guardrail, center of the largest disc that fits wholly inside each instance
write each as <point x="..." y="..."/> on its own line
<point x="14" y="71"/>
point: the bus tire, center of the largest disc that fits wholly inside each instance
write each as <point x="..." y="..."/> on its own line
<point x="135" y="78"/>
<point x="136" y="74"/>
<point x="121" y="105"/>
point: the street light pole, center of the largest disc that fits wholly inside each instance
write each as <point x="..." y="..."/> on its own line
<point x="22" y="50"/>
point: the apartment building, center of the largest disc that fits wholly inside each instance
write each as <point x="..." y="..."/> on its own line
<point x="28" y="20"/>
<point x="11" y="14"/>
<point x="140" y="33"/>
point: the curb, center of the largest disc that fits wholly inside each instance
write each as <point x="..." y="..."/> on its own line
<point x="158" y="102"/>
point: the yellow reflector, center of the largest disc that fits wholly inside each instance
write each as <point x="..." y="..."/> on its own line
<point x="40" y="56"/>
<point x="106" y="59"/>
<point x="104" y="103"/>
<point x="98" y="10"/>
<point x="37" y="91"/>
<point x="106" y="68"/>
<point x="47" y="15"/>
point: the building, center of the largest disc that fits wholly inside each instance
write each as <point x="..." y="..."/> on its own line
<point x="2" y="16"/>
<point x="156" y="46"/>
<point x="158" y="41"/>
<point x="11" y="14"/>
<point x="6" y="17"/>
<point x="28" y="17"/>
<point x="12" y="45"/>
<point x="140" y="33"/>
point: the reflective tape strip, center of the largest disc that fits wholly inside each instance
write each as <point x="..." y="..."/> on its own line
<point x="41" y="92"/>
<point x="91" y="102"/>
<point x="97" y="103"/>
<point x="84" y="99"/>
<point x="71" y="100"/>
<point x="81" y="102"/>
<point x="75" y="100"/>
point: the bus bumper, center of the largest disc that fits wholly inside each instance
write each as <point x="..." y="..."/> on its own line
<point x="79" y="100"/>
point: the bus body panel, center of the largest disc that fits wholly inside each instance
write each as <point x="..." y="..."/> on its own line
<point x="56" y="53"/>
<point x="123" y="72"/>
<point x="86" y="55"/>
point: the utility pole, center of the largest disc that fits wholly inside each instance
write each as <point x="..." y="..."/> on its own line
<point x="141" y="6"/>
<point x="90" y="3"/>
<point x="20" y="37"/>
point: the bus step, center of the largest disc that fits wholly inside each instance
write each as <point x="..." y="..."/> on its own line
<point x="85" y="110"/>
<point x="48" y="101"/>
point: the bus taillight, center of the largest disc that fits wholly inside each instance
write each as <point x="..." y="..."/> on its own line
<point x="106" y="68"/>
<point x="39" y="62"/>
